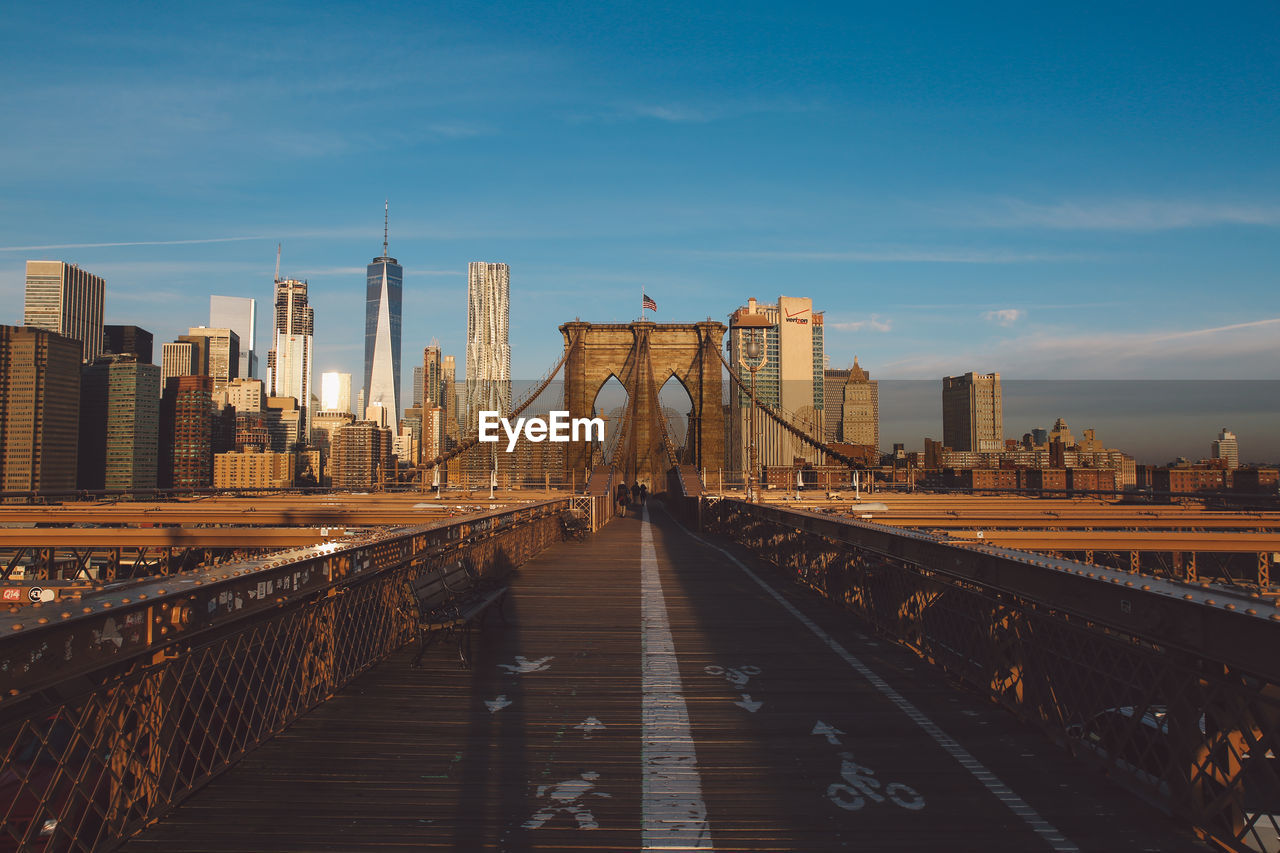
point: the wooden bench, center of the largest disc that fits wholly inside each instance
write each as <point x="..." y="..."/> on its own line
<point x="449" y="599"/>
<point x="575" y="524"/>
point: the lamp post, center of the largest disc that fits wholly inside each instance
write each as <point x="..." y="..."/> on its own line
<point x="753" y="349"/>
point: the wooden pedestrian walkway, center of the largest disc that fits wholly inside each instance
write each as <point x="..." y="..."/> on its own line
<point x="651" y="691"/>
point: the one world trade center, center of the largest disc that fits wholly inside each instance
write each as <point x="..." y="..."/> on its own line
<point x="382" y="332"/>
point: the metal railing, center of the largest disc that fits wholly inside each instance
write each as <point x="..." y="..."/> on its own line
<point x="114" y="710"/>
<point x="1173" y="688"/>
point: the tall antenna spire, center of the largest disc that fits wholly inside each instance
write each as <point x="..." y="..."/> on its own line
<point x="386" y="216"/>
<point x="277" y="263"/>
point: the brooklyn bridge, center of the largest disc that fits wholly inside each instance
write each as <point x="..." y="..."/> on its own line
<point x="713" y="666"/>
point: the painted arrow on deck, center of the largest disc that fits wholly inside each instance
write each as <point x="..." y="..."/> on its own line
<point x="828" y="731"/>
<point x="748" y="704"/>
<point x="589" y="725"/>
<point x="496" y="705"/>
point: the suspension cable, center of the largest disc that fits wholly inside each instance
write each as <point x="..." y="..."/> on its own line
<point x="657" y="411"/>
<point x="472" y="440"/>
<point x="784" y="422"/>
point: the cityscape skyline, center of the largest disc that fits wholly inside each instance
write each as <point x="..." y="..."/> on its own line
<point x="1026" y="199"/>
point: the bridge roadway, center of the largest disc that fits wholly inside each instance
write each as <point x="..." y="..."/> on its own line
<point x="777" y="724"/>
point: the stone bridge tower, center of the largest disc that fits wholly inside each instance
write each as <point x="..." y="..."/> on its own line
<point x="632" y="352"/>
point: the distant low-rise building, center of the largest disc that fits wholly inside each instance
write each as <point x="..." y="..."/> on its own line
<point x="254" y="469"/>
<point x="1197" y="478"/>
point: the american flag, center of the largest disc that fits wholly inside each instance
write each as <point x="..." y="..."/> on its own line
<point x="649" y="303"/>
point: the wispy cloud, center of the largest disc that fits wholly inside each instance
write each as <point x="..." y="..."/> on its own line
<point x="323" y="272"/>
<point x="936" y="306"/>
<point x="1004" y="316"/>
<point x="130" y="243"/>
<point x="676" y="112"/>
<point x="1123" y="214"/>
<point x="875" y="323"/>
<point x="149" y="296"/>
<point x="1216" y="330"/>
<point x="1238" y="350"/>
<point x="904" y="255"/>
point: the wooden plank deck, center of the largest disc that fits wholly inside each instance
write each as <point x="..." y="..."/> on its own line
<point x="566" y="734"/>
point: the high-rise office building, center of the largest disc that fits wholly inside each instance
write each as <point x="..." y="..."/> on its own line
<point x="433" y="391"/>
<point x="361" y="455"/>
<point x="449" y="401"/>
<point x="65" y="299"/>
<point x="323" y="427"/>
<point x="289" y="360"/>
<point x="219" y="353"/>
<point x="243" y="395"/>
<point x="335" y="392"/>
<point x="240" y="314"/>
<point x="417" y="386"/>
<point x="119" y="423"/>
<point x="177" y="359"/>
<point x="488" y="339"/>
<point x="432" y="376"/>
<point x="128" y="340"/>
<point x="860" y="409"/>
<point x="833" y="382"/>
<point x="789" y="376"/>
<point x="186" y="433"/>
<point x="285" y="424"/>
<point x="384" y="281"/>
<point x="973" y="413"/>
<point x="39" y="409"/>
<point x="1225" y="446"/>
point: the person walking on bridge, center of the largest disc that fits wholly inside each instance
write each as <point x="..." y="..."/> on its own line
<point x="644" y="494"/>
<point x="620" y="499"/>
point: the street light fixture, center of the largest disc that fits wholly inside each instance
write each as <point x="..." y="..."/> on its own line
<point x="753" y="349"/>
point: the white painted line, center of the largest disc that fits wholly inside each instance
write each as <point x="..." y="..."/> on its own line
<point x="1039" y="825"/>
<point x="674" y="816"/>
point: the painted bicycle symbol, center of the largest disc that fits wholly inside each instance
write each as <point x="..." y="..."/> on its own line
<point x="862" y="786"/>
<point x="737" y="676"/>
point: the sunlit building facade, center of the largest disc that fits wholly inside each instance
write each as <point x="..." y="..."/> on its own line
<point x="384" y="285"/>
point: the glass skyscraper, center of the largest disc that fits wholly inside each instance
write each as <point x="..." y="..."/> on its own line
<point x="384" y="286"/>
<point x="289" y="359"/>
<point x="240" y="314"/>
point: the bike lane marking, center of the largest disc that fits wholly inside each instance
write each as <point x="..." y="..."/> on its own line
<point x="674" y="815"/>
<point x="1041" y="827"/>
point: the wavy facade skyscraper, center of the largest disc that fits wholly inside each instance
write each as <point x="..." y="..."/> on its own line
<point x="384" y="288"/>
<point x="488" y="342"/>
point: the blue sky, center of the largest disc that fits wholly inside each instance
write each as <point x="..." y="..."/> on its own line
<point x="1080" y="191"/>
